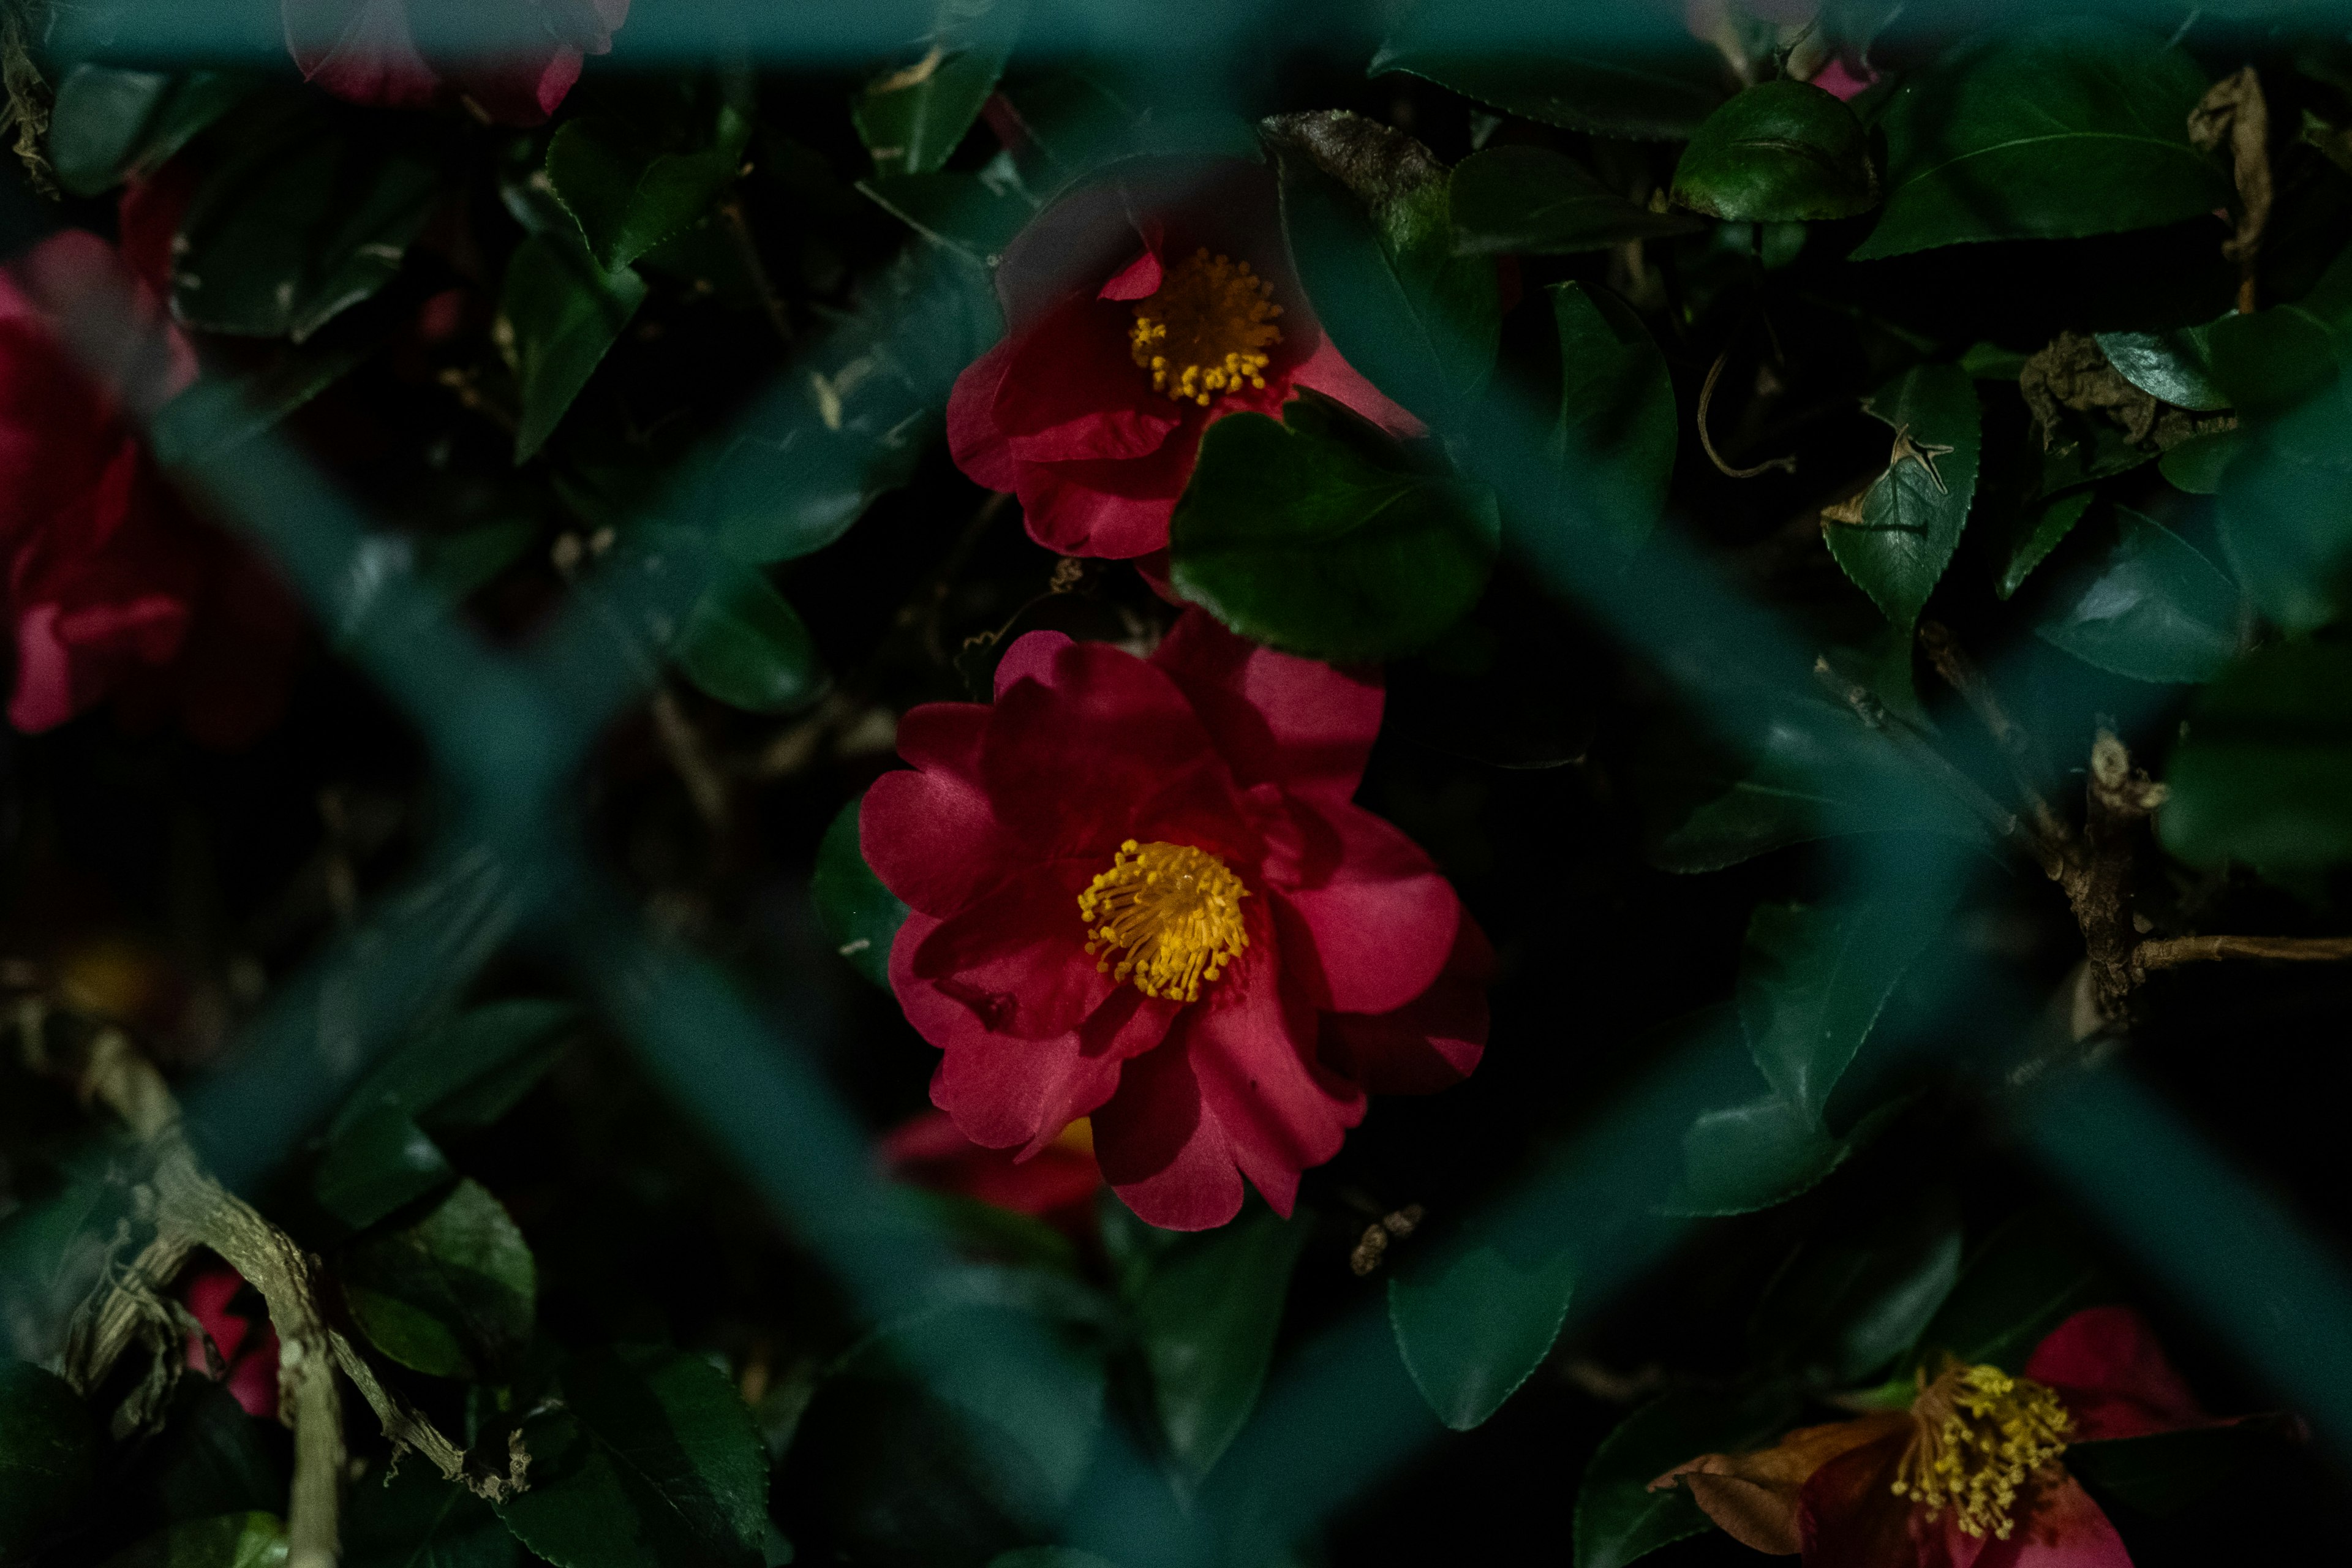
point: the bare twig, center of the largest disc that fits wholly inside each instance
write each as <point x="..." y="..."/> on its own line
<point x="1866" y="706"/>
<point x="2017" y="748"/>
<point x="747" y="250"/>
<point x="1706" y="442"/>
<point x="2171" y="952"/>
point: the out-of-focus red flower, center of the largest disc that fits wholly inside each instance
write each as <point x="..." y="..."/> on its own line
<point x="1060" y="1182"/>
<point x="1969" y="1477"/>
<point x="114" y="589"/>
<point x="1138" y="314"/>
<point x="1839" y="80"/>
<point x="1141" y="891"/>
<point x="366" y="51"/>
<point x="248" y="1349"/>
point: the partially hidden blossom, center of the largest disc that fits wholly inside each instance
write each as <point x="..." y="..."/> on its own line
<point x="368" y="51"/>
<point x="1138" y="314"/>
<point x="1141" y="892"/>
<point x="239" y="1350"/>
<point x="1971" y="1474"/>
<point x="1058" y="1185"/>
<point x="114" y="589"/>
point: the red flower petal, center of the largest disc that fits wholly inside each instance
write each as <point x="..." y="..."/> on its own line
<point x="361" y="52"/>
<point x="1013" y="1093"/>
<point x="1848" y="1517"/>
<point x="1275" y="717"/>
<point x="974" y="440"/>
<point x="1378" y="918"/>
<point x="1017" y="956"/>
<point x="2106" y="1363"/>
<point x="1138" y="279"/>
<point x="1031" y="657"/>
<point x="1115" y="510"/>
<point x="930" y="1148"/>
<point x="1325" y="371"/>
<point x="1430" y="1043"/>
<point x="2065" y="1528"/>
<point x="1072" y="393"/>
<point x="1161" y="1152"/>
<point x="929" y="833"/>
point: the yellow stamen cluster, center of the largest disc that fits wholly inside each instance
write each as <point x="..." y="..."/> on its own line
<point x="1207" y="328"/>
<point x="1175" y="911"/>
<point x="1977" y="1435"/>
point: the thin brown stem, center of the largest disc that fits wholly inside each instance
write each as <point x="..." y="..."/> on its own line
<point x="2017" y="748"/>
<point x="2171" y="952"/>
<point x="747" y="250"/>
<point x="1866" y="706"/>
<point x="1706" y="442"/>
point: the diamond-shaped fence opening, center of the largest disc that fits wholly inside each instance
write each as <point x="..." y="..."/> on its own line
<point x="507" y="732"/>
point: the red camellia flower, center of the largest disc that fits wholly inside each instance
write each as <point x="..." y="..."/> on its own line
<point x="1058" y="1185"/>
<point x="1136" y="315"/>
<point x="248" y="1349"/>
<point x="1140" y="890"/>
<point x="112" y="588"/>
<point x="365" y="50"/>
<point x="1969" y="1477"/>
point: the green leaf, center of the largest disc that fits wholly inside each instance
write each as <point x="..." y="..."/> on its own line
<point x="1913" y="514"/>
<point x="50" y="1452"/>
<point x="2286" y="527"/>
<point x="295" y="228"/>
<point x="2072" y="126"/>
<point x="1619" y="1519"/>
<point x="1615" y="437"/>
<point x="913" y="119"/>
<point x="2034" y="1273"/>
<point x="1534" y="201"/>
<point x="2175" y="366"/>
<point x="559" y="315"/>
<point x="378" y="1162"/>
<point x="224" y="1540"/>
<point x="1473" y="1324"/>
<point x="1366" y="211"/>
<point x="1843" y="1309"/>
<point x="629" y="187"/>
<point x="225" y="408"/>
<point x="1206" y="1316"/>
<point x="2154" y="609"/>
<point x="1643" y="83"/>
<point x="1814" y="978"/>
<point x="461" y="563"/>
<point x="2196" y="464"/>
<point x="860" y="915"/>
<point x="745" y="644"/>
<point x="1809" y="770"/>
<point x="452" y="1295"/>
<point x="648" y="1460"/>
<point x="1751" y="1155"/>
<point x="2264" y="771"/>
<point x="2037" y="531"/>
<point x="976" y="214"/>
<point x="1318" y="536"/>
<point x="110" y="125"/>
<point x="414" y="1519"/>
<point x="211" y="1459"/>
<point x="464" y="1075"/>
<point x="1781" y="152"/>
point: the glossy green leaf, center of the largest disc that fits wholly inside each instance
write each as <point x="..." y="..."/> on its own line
<point x="1320" y="536"/>
<point x="414" y="1519"/>
<point x="2069" y="127"/>
<point x="224" y="1540"/>
<point x="1206" y="1315"/>
<point x="1473" y="1324"/>
<point x="1619" y="1519"/>
<point x="2286" y="528"/>
<point x="1814" y="978"/>
<point x="225" y="408"/>
<point x="1913" y="514"/>
<point x="295" y="227"/>
<point x="969" y="212"/>
<point x="2154" y="609"/>
<point x="110" y="125"/>
<point x="860" y="915"/>
<point x="460" y="563"/>
<point x="911" y="120"/>
<point x="2175" y="366"/>
<point x="454" y="1294"/>
<point x="1844" y="1307"/>
<point x="1782" y="151"/>
<point x="2030" y="1275"/>
<point x="629" y="189"/>
<point x="49" y="1451"/>
<point x="464" y="1075"/>
<point x="745" y="644"/>
<point x="1367" y="215"/>
<point x="648" y="1460"/>
<point x="1751" y="1155"/>
<point x="2038" y="528"/>
<point x="559" y="315"/>
<point x="1644" y="83"/>
<point x="1809" y="770"/>
<point x="1533" y="201"/>
<point x="2262" y="774"/>
<point x="2197" y="465"/>
<point x="1615" y="437"/>
<point x="376" y="1164"/>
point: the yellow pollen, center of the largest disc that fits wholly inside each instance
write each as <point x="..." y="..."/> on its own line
<point x="1174" y="910"/>
<point x="1206" y="329"/>
<point x="1977" y="1435"/>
